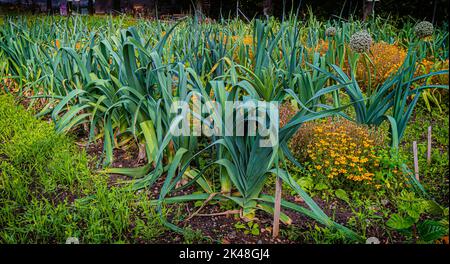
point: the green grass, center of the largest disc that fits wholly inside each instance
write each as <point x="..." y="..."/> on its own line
<point x="41" y="176"/>
<point x="369" y="210"/>
<point x="434" y="176"/>
<point x="119" y="84"/>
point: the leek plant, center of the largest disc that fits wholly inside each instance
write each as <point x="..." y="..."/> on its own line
<point x="390" y="101"/>
<point x="117" y="81"/>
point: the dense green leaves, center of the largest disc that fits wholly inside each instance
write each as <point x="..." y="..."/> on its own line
<point x="119" y="85"/>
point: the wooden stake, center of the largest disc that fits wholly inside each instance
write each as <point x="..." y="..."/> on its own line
<point x="277" y="207"/>
<point x="429" y="146"/>
<point x="416" y="161"/>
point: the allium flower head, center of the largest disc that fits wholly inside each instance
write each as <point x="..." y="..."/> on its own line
<point x="360" y="41"/>
<point x="423" y="29"/>
<point x="330" y="32"/>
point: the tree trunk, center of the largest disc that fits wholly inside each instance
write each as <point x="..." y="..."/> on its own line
<point x="33" y="6"/>
<point x="199" y="5"/>
<point x="130" y="6"/>
<point x="116" y="6"/>
<point x="434" y="11"/>
<point x="368" y="8"/>
<point x="49" y="6"/>
<point x="91" y="7"/>
<point x="199" y="10"/>
<point x="267" y="7"/>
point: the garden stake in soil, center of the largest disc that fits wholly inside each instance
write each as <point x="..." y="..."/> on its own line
<point x="416" y="160"/>
<point x="429" y="146"/>
<point x="277" y="205"/>
<point x="98" y="140"/>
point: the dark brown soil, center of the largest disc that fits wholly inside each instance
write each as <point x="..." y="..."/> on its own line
<point x="221" y="228"/>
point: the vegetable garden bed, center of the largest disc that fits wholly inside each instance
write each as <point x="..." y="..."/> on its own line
<point x="89" y="149"/>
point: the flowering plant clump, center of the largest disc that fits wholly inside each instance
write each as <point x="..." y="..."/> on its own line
<point x="57" y="44"/>
<point x="246" y="42"/>
<point x="321" y="47"/>
<point x="426" y="66"/>
<point x="386" y="59"/>
<point x="286" y="112"/>
<point x="339" y="151"/>
<point x="330" y="32"/>
<point x="423" y="29"/>
<point x="360" y="41"/>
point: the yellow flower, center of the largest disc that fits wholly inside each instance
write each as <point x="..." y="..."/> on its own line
<point x="343" y="148"/>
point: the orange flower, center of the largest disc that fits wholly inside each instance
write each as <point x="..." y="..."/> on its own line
<point x="386" y="59"/>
